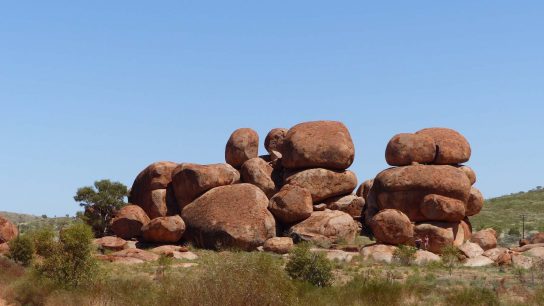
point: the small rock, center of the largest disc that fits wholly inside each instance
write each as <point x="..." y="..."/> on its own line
<point x="279" y="245"/>
<point x="478" y="261"/>
<point x="111" y="243"/>
<point x="379" y="253"/>
<point x="471" y="249"/>
<point x="486" y="238"/>
<point x="425" y="257"/>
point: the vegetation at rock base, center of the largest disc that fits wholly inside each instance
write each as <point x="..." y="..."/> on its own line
<point x="309" y="266"/>
<point x="21" y="250"/>
<point x="405" y="254"/>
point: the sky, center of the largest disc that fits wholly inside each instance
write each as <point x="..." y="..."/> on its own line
<point x="100" y="89"/>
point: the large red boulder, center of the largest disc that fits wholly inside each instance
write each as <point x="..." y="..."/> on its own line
<point x="274" y="140"/>
<point x="150" y="189"/>
<point x="452" y="147"/>
<point x="439" y="208"/>
<point x="8" y="230"/>
<point x="258" y="172"/>
<point x="475" y="202"/>
<point x="470" y="173"/>
<point x="486" y="238"/>
<point x="128" y="222"/>
<point x="439" y="235"/>
<point x="406" y="148"/>
<point x="364" y="189"/>
<point x="191" y="180"/>
<point x="164" y="229"/>
<point x="111" y="243"/>
<point x="242" y="145"/>
<point x="324" y="183"/>
<point x="279" y="245"/>
<point x="351" y="204"/>
<point x="391" y="226"/>
<point x="404" y="188"/>
<point x="291" y="204"/>
<point x="318" y="144"/>
<point x="537" y="238"/>
<point x="326" y="226"/>
<point x="230" y="216"/>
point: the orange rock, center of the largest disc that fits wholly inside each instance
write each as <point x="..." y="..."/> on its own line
<point x="452" y="147"/>
<point x="324" y="183"/>
<point x="274" y="140"/>
<point x="439" y="208"/>
<point x="326" y="226"/>
<point x="164" y="229"/>
<point x="258" y="172"/>
<point x="242" y="145"/>
<point x="291" y="204"/>
<point x="391" y="226"/>
<point x="128" y="222"/>
<point x="475" y="202"/>
<point x="406" y="148"/>
<point x="8" y="230"/>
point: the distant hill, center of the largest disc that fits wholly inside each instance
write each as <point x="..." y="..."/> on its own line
<point x="26" y="222"/>
<point x="18" y="218"/>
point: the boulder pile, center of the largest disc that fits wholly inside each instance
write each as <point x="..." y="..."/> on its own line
<point x="428" y="194"/>
<point x="8" y="231"/>
<point x="300" y="190"/>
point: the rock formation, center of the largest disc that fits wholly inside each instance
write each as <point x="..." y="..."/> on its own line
<point x="8" y="230"/>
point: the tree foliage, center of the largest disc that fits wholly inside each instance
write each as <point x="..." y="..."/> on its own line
<point x="100" y="203"/>
<point x="312" y="267"/>
<point x="21" y="250"/>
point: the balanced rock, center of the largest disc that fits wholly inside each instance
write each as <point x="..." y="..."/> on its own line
<point x="364" y="189"/>
<point x="318" y="144"/>
<point x="274" y="140"/>
<point x="351" y="204"/>
<point x="324" y="183"/>
<point x="439" y="208"/>
<point x="475" y="202"/>
<point x="8" y="230"/>
<point x="128" y="222"/>
<point x="279" y="245"/>
<point x="406" y="148"/>
<point x="242" y="145"/>
<point x="143" y="193"/>
<point x="191" y="180"/>
<point x="391" y="226"/>
<point x="451" y="147"/>
<point x="258" y="172"/>
<point x="404" y="188"/>
<point x="291" y="204"/>
<point x="164" y="229"/>
<point x="439" y="234"/>
<point x="486" y="238"/>
<point x="230" y="216"/>
<point x="326" y="226"/>
<point x="111" y="243"/>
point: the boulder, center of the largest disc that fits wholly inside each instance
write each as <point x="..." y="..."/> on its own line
<point x="467" y="228"/>
<point x="156" y="176"/>
<point x="320" y="207"/>
<point x="164" y="229"/>
<point x="505" y="258"/>
<point x="119" y="259"/>
<point x="406" y="148"/>
<point x="274" y="140"/>
<point x="128" y="222"/>
<point x="136" y="254"/>
<point x="174" y="251"/>
<point x="258" y="172"/>
<point x="324" y="183"/>
<point x="326" y="226"/>
<point x="471" y="250"/>
<point x="537" y="238"/>
<point x="404" y="188"/>
<point x="451" y="147"/>
<point x="495" y="253"/>
<point x="425" y="257"/>
<point x="291" y="204"/>
<point x="536" y="252"/>
<point x="242" y="145"/>
<point x="8" y="230"/>
<point x="364" y="189"/>
<point x="478" y="261"/>
<point x="351" y="204"/>
<point x="192" y="180"/>
<point x="4" y="248"/>
<point x="475" y="202"/>
<point x="371" y="207"/>
<point x="486" y="238"/>
<point x="391" y="226"/>
<point x="440" y="234"/>
<point x="336" y="255"/>
<point x="230" y="216"/>
<point x="522" y="261"/>
<point x="379" y="253"/>
<point x="111" y="243"/>
<point x="469" y="172"/>
<point x="279" y="245"/>
<point x="527" y="247"/>
<point x="318" y="144"/>
<point x="439" y="208"/>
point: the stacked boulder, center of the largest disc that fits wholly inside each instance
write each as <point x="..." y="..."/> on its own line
<point x="427" y="196"/>
<point x="300" y="189"/>
<point x="8" y="231"/>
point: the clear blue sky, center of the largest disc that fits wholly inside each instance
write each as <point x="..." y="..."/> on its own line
<point x="100" y="89"/>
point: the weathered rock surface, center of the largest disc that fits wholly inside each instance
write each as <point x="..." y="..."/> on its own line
<point x="136" y="254"/>
<point x="379" y="252"/>
<point x="318" y="144"/>
<point x="471" y="250"/>
<point x="325" y="227"/>
<point x="274" y="140"/>
<point x="475" y="202"/>
<point x="440" y="234"/>
<point x="242" y="145"/>
<point x="537" y="238"/>
<point x="291" y="204"/>
<point x="364" y="189"/>
<point x="174" y="251"/>
<point x="452" y="147"/>
<point x="478" y="261"/>
<point x="192" y="180"/>
<point x="351" y="204"/>
<point x="425" y="257"/>
<point x="486" y="238"/>
<point x="336" y="255"/>
<point x="406" y="148"/>
<point x="536" y="252"/>
<point x="495" y="253"/>
<point x="164" y="229"/>
<point x="111" y="243"/>
<point x="8" y="230"/>
<point x="391" y="226"/>
<point x="128" y="222"/>
<point x="258" y="172"/>
<point x="230" y="216"/>
<point x="404" y="188"/>
<point x="522" y="261"/>
<point x="279" y="245"/>
<point x="470" y="173"/>
<point x="4" y="248"/>
<point x="439" y="208"/>
<point x="324" y="183"/>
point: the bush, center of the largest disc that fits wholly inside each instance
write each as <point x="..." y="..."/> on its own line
<point x="71" y="263"/>
<point x="309" y="266"/>
<point x="44" y="240"/>
<point x="450" y="257"/>
<point x="514" y="232"/>
<point x="405" y="254"/>
<point x="21" y="250"/>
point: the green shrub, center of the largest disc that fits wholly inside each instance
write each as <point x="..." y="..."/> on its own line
<point x="405" y="254"/>
<point x="44" y="240"/>
<point x="450" y="257"/>
<point x="472" y="296"/>
<point x="21" y="250"/>
<point x="71" y="263"/>
<point x="312" y="267"/>
<point x="514" y="232"/>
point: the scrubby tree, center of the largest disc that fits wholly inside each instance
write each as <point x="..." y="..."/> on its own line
<point x="100" y="203"/>
<point x="312" y="267"/>
<point x="21" y="250"/>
